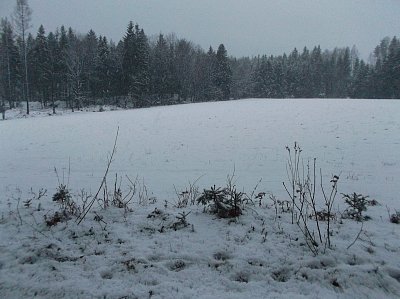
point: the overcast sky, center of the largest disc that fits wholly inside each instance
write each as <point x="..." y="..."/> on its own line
<point x="246" y="27"/>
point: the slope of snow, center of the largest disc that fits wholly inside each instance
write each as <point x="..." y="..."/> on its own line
<point x="167" y="148"/>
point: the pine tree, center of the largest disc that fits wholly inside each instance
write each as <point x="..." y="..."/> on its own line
<point x="184" y="67"/>
<point x="316" y="73"/>
<point x="202" y="86"/>
<point x="41" y="66"/>
<point x="390" y="70"/>
<point x="305" y="80"/>
<point x="361" y="86"/>
<point x="293" y="74"/>
<point x="242" y="70"/>
<point x="141" y="78"/>
<point x="103" y="66"/>
<point x="90" y="44"/>
<point x="223" y="75"/>
<point x="396" y="71"/>
<point x="53" y="67"/>
<point x="22" y="17"/>
<point x="211" y="92"/>
<point x="345" y="73"/>
<point x="279" y="80"/>
<point x="10" y="64"/>
<point x="75" y="70"/>
<point x="172" y="76"/>
<point x="30" y="44"/>
<point x="129" y="58"/>
<point x="116" y="71"/>
<point x="160" y="69"/>
<point x="61" y="60"/>
<point x="263" y="78"/>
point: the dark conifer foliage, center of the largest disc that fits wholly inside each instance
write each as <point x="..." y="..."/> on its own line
<point x="137" y="71"/>
<point x="161" y="73"/>
<point x="10" y="66"/>
<point x="223" y="72"/>
<point x="21" y="18"/>
<point x="40" y="67"/>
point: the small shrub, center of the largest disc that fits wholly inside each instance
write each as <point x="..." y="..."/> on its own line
<point x="157" y="214"/>
<point x="181" y="221"/>
<point x="225" y="202"/>
<point x="323" y="215"/>
<point x="68" y="205"/>
<point x="35" y="196"/>
<point x="395" y="218"/>
<point x="301" y="188"/>
<point x="285" y="206"/>
<point x="62" y="195"/>
<point x="188" y="196"/>
<point x="56" y="218"/>
<point x="357" y="205"/>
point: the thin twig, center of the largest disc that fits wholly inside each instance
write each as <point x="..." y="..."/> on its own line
<point x="358" y="236"/>
<point x="84" y="213"/>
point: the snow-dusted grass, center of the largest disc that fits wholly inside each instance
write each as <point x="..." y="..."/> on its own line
<point x="255" y="256"/>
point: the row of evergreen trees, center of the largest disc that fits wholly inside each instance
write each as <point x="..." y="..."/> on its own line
<point x="86" y="69"/>
<point x="315" y="74"/>
<point x="138" y="72"/>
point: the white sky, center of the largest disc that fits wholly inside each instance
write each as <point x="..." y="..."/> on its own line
<point x="246" y="27"/>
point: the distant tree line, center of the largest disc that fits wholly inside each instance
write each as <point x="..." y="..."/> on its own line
<point x="84" y="70"/>
<point x="320" y="74"/>
<point x="139" y="72"/>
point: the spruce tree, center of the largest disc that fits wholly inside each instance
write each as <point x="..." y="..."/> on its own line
<point x="62" y="69"/>
<point x="223" y="75"/>
<point x="90" y="44"/>
<point x="160" y="71"/>
<point x="390" y="72"/>
<point x="41" y="66"/>
<point x="293" y="74"/>
<point x="75" y="70"/>
<point x="53" y="70"/>
<point x="129" y="58"/>
<point x="22" y="17"/>
<point x="316" y="73"/>
<point x="211" y="91"/>
<point x="185" y="56"/>
<point x="10" y="64"/>
<point x="141" y="78"/>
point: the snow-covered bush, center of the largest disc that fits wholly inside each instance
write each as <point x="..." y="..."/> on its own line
<point x="357" y="205"/>
<point x="224" y="202"/>
<point x="68" y="207"/>
<point x="395" y="218"/>
<point x="188" y="196"/>
<point x="64" y="198"/>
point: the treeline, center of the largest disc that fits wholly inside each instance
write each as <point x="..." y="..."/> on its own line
<point x="138" y="72"/>
<point x="315" y="74"/>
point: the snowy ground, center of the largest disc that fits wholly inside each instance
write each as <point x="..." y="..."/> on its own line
<point x="168" y="148"/>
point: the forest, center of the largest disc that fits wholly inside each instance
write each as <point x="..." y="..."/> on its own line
<point x="141" y="70"/>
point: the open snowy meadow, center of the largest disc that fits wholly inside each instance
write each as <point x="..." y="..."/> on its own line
<point x="157" y="245"/>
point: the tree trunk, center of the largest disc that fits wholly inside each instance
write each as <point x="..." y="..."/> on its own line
<point x="3" y="110"/>
<point x="52" y="97"/>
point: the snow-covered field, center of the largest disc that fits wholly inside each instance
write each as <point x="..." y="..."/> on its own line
<point x="166" y="149"/>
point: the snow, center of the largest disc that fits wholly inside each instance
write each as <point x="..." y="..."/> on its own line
<point x="168" y="148"/>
